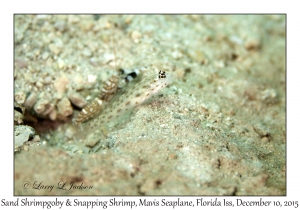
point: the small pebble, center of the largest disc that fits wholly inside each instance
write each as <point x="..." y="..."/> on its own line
<point x="53" y="114"/>
<point x="21" y="63"/>
<point x="77" y="99"/>
<point x="20" y="97"/>
<point x="18" y="117"/>
<point x="61" y="63"/>
<point x="215" y="108"/>
<point x="48" y="80"/>
<point x="265" y="139"/>
<point x="135" y="36"/>
<point x="39" y="84"/>
<point x="60" y="25"/>
<point x="45" y="55"/>
<point x="69" y="133"/>
<point x="252" y="44"/>
<point x="64" y="107"/>
<point x="269" y="96"/>
<point x="262" y="130"/>
<point x="22" y="134"/>
<point x="177" y="55"/>
<point x="61" y="83"/>
<point x="40" y="106"/>
<point x="30" y="101"/>
<point x="55" y="49"/>
<point x="36" y="138"/>
<point x="86" y="52"/>
<point x="91" y="142"/>
<point x="92" y="78"/>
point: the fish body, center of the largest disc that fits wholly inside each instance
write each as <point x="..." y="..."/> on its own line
<point x="132" y="98"/>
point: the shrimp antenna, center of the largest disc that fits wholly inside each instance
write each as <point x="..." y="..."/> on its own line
<point x="114" y="45"/>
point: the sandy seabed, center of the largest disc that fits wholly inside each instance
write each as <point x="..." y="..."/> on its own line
<point x="218" y="129"/>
